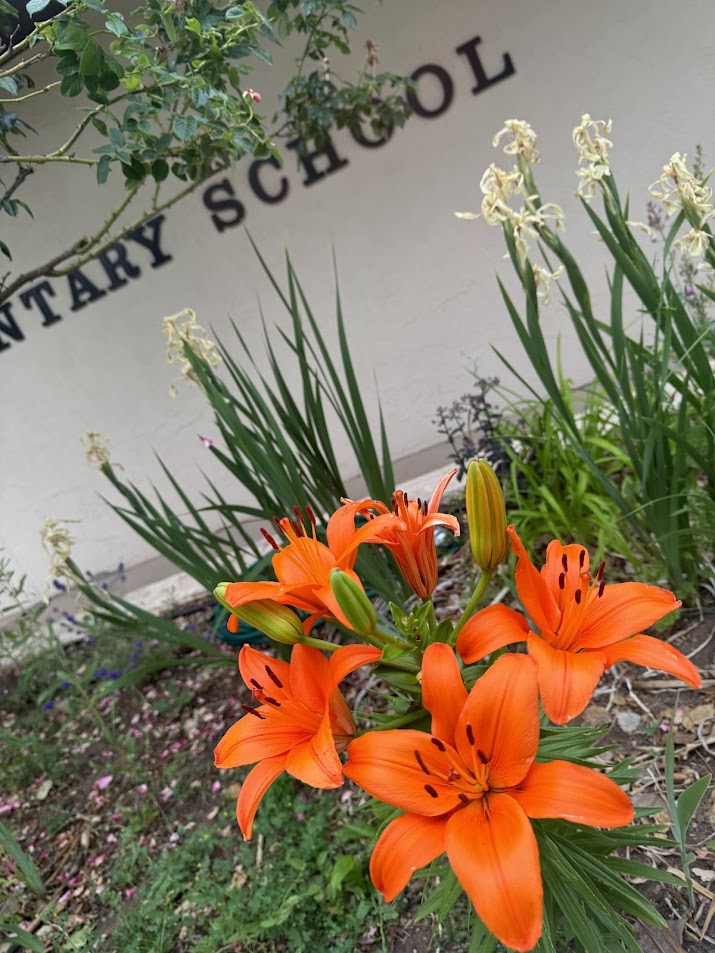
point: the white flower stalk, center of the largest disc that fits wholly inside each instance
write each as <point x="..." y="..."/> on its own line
<point x="678" y="187"/>
<point x="592" y="145"/>
<point x="543" y="279"/>
<point x="181" y="329"/>
<point x="96" y="448"/>
<point x="58" y="543"/>
<point x="522" y="140"/>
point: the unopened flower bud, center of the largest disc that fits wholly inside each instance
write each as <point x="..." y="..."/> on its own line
<point x="486" y="516"/>
<point x="354" y="603"/>
<point x="278" y="622"/>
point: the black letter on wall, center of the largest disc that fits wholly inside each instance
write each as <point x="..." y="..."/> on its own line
<point x="447" y="91"/>
<point x="151" y="241"/>
<point x="255" y="181"/>
<point x="11" y="328"/>
<point x="232" y="206"/>
<point x="469" y="50"/>
<point x="83" y="290"/>
<point x="114" y="260"/>
<point x="36" y="295"/>
<point x="308" y="163"/>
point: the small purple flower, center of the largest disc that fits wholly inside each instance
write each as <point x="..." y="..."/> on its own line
<point x="64" y="685"/>
<point x="49" y="705"/>
<point x="58" y="585"/>
<point x="113" y="676"/>
<point x="101" y="673"/>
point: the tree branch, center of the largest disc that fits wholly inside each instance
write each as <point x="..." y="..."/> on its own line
<point x="22" y="174"/>
<point x="37" y="92"/>
<point x="25" y="64"/>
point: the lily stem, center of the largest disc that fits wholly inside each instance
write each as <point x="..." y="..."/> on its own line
<point x="479" y="591"/>
<point x="402" y="721"/>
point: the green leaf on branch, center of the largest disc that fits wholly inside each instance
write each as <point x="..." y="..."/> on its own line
<point x="37" y="6"/>
<point x="103" y="169"/>
<point x="184" y="127"/>
<point x="71" y="85"/>
<point x="159" y="170"/>
<point x="687" y="803"/>
<point x="71" y="36"/>
<point x="9" y="83"/>
<point x="92" y="60"/>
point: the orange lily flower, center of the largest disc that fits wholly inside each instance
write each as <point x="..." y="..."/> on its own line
<point x="303" y="566"/>
<point x="581" y="627"/>
<point x="470" y="788"/>
<point x="300" y="725"/>
<point x="410" y="534"/>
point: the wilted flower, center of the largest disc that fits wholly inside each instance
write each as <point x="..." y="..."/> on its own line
<point x="180" y="332"/>
<point x="593" y="149"/>
<point x="694" y="242"/>
<point x="58" y="543"/>
<point x="97" y="449"/>
<point x="543" y="279"/>
<point x="522" y="140"/>
<point x="252" y="95"/>
<point x="528" y="221"/>
<point x="677" y="186"/>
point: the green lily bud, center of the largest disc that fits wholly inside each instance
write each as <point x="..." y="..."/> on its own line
<point x="278" y="622"/>
<point x="486" y="516"/>
<point x="353" y="602"/>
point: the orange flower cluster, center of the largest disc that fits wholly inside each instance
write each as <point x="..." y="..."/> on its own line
<point x="470" y="786"/>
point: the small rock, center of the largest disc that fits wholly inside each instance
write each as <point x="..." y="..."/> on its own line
<point x="628" y="721"/>
<point x="43" y="790"/>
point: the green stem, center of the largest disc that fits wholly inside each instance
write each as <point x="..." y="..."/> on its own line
<point x="479" y="591"/>
<point x="402" y="721"/>
<point x="319" y="644"/>
<point x="431" y="618"/>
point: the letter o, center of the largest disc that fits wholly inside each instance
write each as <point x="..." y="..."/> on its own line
<point x="446" y="83"/>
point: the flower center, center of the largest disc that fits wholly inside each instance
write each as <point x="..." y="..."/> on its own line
<point x="575" y="597"/>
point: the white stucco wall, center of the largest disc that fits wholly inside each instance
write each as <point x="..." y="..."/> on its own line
<point x="418" y="286"/>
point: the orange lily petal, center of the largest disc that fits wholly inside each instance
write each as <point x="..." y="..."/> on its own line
<point x="566" y="679"/>
<point x="342" y="723"/>
<point x="494" y="854"/>
<point x="400" y="767"/>
<point x="624" y="609"/>
<point x="305" y="561"/>
<point x="645" y="650"/>
<point x="252" y="739"/>
<point x="310" y="677"/>
<point x="341" y="525"/>
<point x="260" y="671"/>
<point x="441" y="519"/>
<point x="501" y="715"/>
<point x="257" y="782"/>
<point x="443" y="691"/>
<point x="407" y="843"/>
<point x="574" y="792"/>
<point x="433" y="505"/>
<point x="554" y="565"/>
<point x="350" y="657"/>
<point x="372" y="531"/>
<point x="533" y="589"/>
<point x="237" y="593"/>
<point x="490" y="629"/>
<point x="315" y="760"/>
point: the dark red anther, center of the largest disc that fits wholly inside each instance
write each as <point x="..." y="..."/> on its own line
<point x="438" y="744"/>
<point x="581" y="558"/>
<point x="482" y="757"/>
<point x="273" y="677"/>
<point x="252" y="711"/>
<point x="565" y="562"/>
<point x="601" y="588"/>
<point x="464" y="799"/>
<point x="269" y="539"/>
<point x="311" y="515"/>
<point x="470" y="734"/>
<point x="577" y="596"/>
<point x="297" y="528"/>
<point x="298" y="514"/>
<point x="420" y="762"/>
<point x="562" y="581"/>
<point x="424" y="507"/>
<point x="405" y="498"/>
<point x="277" y="523"/>
<point x="257" y="685"/>
<point x="430" y="790"/>
<point x="271" y="701"/>
<point x="599" y="574"/>
<point x="454" y="775"/>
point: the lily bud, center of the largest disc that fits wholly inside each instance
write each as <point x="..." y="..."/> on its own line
<point x="353" y="602"/>
<point x="486" y="516"/>
<point x="278" y="622"/>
